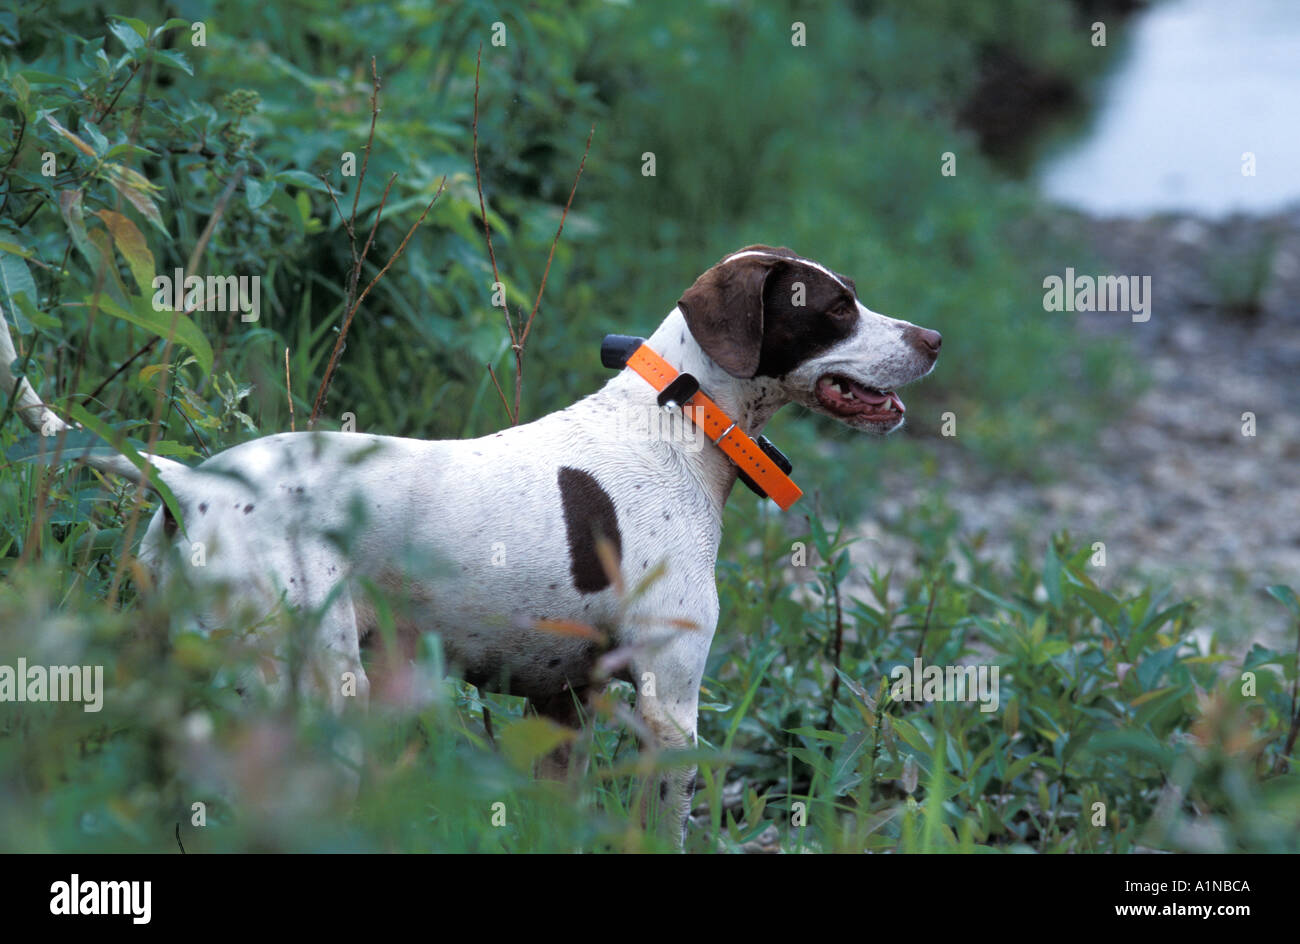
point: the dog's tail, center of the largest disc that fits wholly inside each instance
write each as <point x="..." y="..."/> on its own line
<point x="39" y="418"/>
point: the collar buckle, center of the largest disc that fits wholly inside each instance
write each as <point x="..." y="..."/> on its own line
<point x="679" y="391"/>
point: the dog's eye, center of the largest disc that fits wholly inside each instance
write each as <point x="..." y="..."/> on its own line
<point x="842" y="308"/>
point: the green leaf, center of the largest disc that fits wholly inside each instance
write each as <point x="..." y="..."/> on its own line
<point x="112" y="279"/>
<point x="68" y="447"/>
<point x="934" y="797"/>
<point x="40" y="320"/>
<point x="530" y="739"/>
<point x="1167" y="702"/>
<point x="22" y="90"/>
<point x="97" y="139"/>
<point x="73" y="218"/>
<point x="1259" y="655"/>
<point x="37" y="77"/>
<point x="1286" y="596"/>
<point x="1101" y="603"/>
<point x="1154" y="666"/>
<point x="300" y="178"/>
<point x="1131" y="741"/>
<point x="15" y="249"/>
<point x="814" y="759"/>
<point x="1147" y="696"/>
<point x="169" y="447"/>
<point x="821" y="541"/>
<point x="143" y="314"/>
<point x="257" y="191"/>
<point x="910" y="735"/>
<point x="16" y="280"/>
<point x="1016" y="607"/>
<point x="817" y="734"/>
<point x="1018" y="767"/>
<point x="124" y="448"/>
<point x="172" y="23"/>
<point x="174" y="58"/>
<point x="130" y="38"/>
<point x="844" y="773"/>
<point x="760" y="676"/>
<point x="1052" y="577"/>
<point x="138" y="27"/>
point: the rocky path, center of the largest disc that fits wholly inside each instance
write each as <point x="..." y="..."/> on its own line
<point x="1175" y="490"/>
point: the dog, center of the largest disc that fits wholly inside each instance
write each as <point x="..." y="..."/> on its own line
<point x="548" y="525"/>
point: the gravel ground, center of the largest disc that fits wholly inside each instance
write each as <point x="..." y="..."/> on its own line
<point x="1175" y="490"/>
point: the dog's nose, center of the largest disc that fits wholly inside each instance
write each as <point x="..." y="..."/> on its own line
<point x="924" y="340"/>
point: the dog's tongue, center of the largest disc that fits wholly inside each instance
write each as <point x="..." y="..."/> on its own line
<point x="875" y="398"/>
<point x="869" y="396"/>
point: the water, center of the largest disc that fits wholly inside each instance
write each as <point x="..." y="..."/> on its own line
<point x="1201" y="82"/>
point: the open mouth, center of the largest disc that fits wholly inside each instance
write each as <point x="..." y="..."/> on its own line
<point x="848" y="399"/>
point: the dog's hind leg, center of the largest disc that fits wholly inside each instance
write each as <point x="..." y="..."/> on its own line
<point x="332" y="670"/>
<point x="566" y="708"/>
<point x="334" y="653"/>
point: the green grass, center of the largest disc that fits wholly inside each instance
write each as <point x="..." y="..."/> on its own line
<point x="1102" y="699"/>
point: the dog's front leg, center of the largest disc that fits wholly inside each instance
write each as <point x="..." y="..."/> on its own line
<point x="671" y="725"/>
<point x="667" y="705"/>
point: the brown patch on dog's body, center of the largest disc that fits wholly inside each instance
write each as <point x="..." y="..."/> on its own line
<point x="589" y="517"/>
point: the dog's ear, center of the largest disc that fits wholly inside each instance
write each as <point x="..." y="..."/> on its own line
<point x="724" y="310"/>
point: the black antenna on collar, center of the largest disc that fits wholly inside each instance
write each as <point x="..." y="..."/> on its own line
<point x="615" y="349"/>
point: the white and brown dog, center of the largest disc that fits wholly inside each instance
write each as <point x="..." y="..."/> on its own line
<point x="492" y="543"/>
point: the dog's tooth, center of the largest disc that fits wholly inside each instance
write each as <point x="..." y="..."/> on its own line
<point x="849" y="395"/>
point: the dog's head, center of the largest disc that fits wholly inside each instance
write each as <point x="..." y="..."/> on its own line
<point x="765" y="312"/>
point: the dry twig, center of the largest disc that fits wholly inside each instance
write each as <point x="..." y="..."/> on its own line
<point x="518" y="333"/>
<point x="353" y="298"/>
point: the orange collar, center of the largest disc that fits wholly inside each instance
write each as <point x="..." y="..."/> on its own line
<point x="761" y="465"/>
